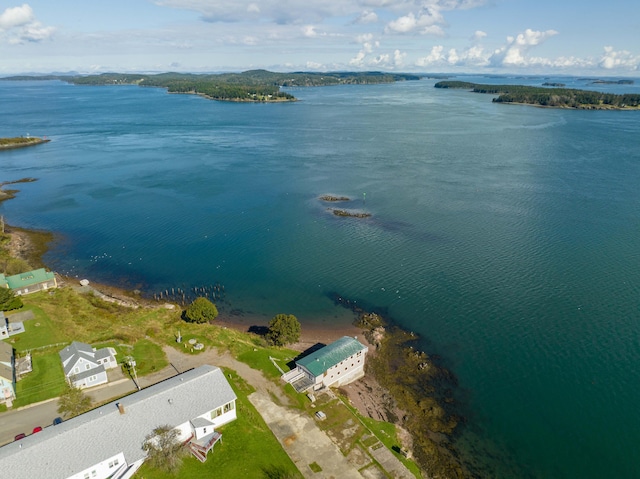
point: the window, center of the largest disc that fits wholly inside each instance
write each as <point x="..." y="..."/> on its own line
<point x="228" y="407"/>
<point x="76" y="370"/>
<point x="86" y="475"/>
<point x="115" y="462"/>
<point x="216" y="412"/>
<point x="110" y="464"/>
<point x="94" y="473"/>
<point x="204" y="430"/>
<point x="88" y="366"/>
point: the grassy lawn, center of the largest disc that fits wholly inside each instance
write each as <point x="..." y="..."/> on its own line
<point x="39" y="331"/>
<point x="44" y="382"/>
<point x="249" y="450"/>
<point x="149" y="357"/>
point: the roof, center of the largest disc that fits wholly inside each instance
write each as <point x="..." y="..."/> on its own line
<point x="107" y="433"/>
<point x="76" y="350"/>
<point x="29" y="278"/>
<point x="322" y="359"/>
<point x="6" y="352"/>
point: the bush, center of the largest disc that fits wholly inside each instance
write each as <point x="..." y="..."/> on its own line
<point x="283" y="329"/>
<point x="8" y="300"/>
<point x="201" y="311"/>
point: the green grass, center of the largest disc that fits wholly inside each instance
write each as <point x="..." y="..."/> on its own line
<point x="315" y="467"/>
<point x="149" y="357"/>
<point x="248" y="450"/>
<point x="39" y="331"/>
<point x="44" y="382"/>
<point x="258" y="358"/>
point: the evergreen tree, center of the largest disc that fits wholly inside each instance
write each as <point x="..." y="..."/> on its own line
<point x="8" y="300"/>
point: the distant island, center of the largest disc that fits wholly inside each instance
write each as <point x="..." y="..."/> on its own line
<point x="20" y="142"/>
<point x="551" y="97"/>
<point x="250" y="86"/>
<point x="553" y="84"/>
<point x="613" y="82"/>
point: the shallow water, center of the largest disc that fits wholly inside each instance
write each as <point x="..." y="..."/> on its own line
<point x="507" y="236"/>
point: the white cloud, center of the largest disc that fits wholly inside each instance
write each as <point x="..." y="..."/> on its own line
<point x="16" y="17"/>
<point x="368" y="16"/>
<point x="428" y="21"/>
<point x="309" y="31"/>
<point x="18" y="25"/>
<point x="479" y="35"/>
<point x="619" y="59"/>
<point x="514" y="53"/>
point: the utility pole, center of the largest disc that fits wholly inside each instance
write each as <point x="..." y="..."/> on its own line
<point x="131" y="363"/>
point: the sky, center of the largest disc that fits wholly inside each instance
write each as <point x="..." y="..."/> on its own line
<point x="558" y="37"/>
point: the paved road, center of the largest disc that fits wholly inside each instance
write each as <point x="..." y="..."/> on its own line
<point x="302" y="439"/>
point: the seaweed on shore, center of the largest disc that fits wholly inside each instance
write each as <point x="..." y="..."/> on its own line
<point x="420" y="386"/>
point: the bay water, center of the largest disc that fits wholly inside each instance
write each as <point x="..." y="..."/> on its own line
<point x="507" y="236"/>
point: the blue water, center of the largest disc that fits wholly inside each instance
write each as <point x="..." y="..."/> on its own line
<point x="506" y="235"/>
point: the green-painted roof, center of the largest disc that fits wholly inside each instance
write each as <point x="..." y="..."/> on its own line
<point x="322" y="359"/>
<point x="36" y="276"/>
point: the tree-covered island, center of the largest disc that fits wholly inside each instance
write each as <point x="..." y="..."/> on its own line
<point x="551" y="97"/>
<point x="249" y="86"/>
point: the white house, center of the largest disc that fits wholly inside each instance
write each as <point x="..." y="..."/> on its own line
<point x="7" y="374"/>
<point x="85" y="366"/>
<point x="336" y="364"/>
<point x="107" y="442"/>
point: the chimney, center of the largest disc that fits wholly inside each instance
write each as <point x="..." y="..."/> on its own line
<point x="120" y="407"/>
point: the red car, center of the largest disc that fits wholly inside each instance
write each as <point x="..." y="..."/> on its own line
<point x="22" y="435"/>
<point x="36" y="429"/>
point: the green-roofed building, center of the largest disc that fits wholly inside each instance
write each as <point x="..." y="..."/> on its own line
<point x="29" y="282"/>
<point x="336" y="364"/>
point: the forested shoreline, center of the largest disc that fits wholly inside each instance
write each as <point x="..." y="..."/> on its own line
<point x="551" y="97"/>
<point x="252" y="85"/>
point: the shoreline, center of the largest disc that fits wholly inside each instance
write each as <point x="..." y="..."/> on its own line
<point x="24" y="144"/>
<point x="387" y="392"/>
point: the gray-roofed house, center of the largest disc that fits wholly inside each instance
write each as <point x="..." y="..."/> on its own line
<point x="336" y="364"/>
<point x="85" y="366"/>
<point x="107" y="442"/>
<point x="7" y="374"/>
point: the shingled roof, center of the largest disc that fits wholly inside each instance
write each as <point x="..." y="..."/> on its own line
<point x="83" y="441"/>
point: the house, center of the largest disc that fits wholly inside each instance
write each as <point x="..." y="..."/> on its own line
<point x="84" y="366"/>
<point x="336" y="364"/>
<point x="107" y="442"/>
<point x="29" y="282"/>
<point x="7" y="374"/>
<point x="9" y="328"/>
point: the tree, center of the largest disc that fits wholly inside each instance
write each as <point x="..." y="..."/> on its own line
<point x="164" y="449"/>
<point x="8" y="300"/>
<point x="283" y="329"/>
<point x="73" y="402"/>
<point x="201" y="310"/>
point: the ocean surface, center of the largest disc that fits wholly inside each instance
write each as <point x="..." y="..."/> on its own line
<point x="507" y="236"/>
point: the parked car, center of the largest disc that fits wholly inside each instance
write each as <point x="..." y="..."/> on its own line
<point x="57" y="421"/>
<point x="36" y="429"/>
<point x="22" y="435"/>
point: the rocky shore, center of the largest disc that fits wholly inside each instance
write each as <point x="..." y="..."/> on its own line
<point x="402" y="386"/>
<point x="20" y="142"/>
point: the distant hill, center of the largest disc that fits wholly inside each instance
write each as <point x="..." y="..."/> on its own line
<point x="252" y="85"/>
